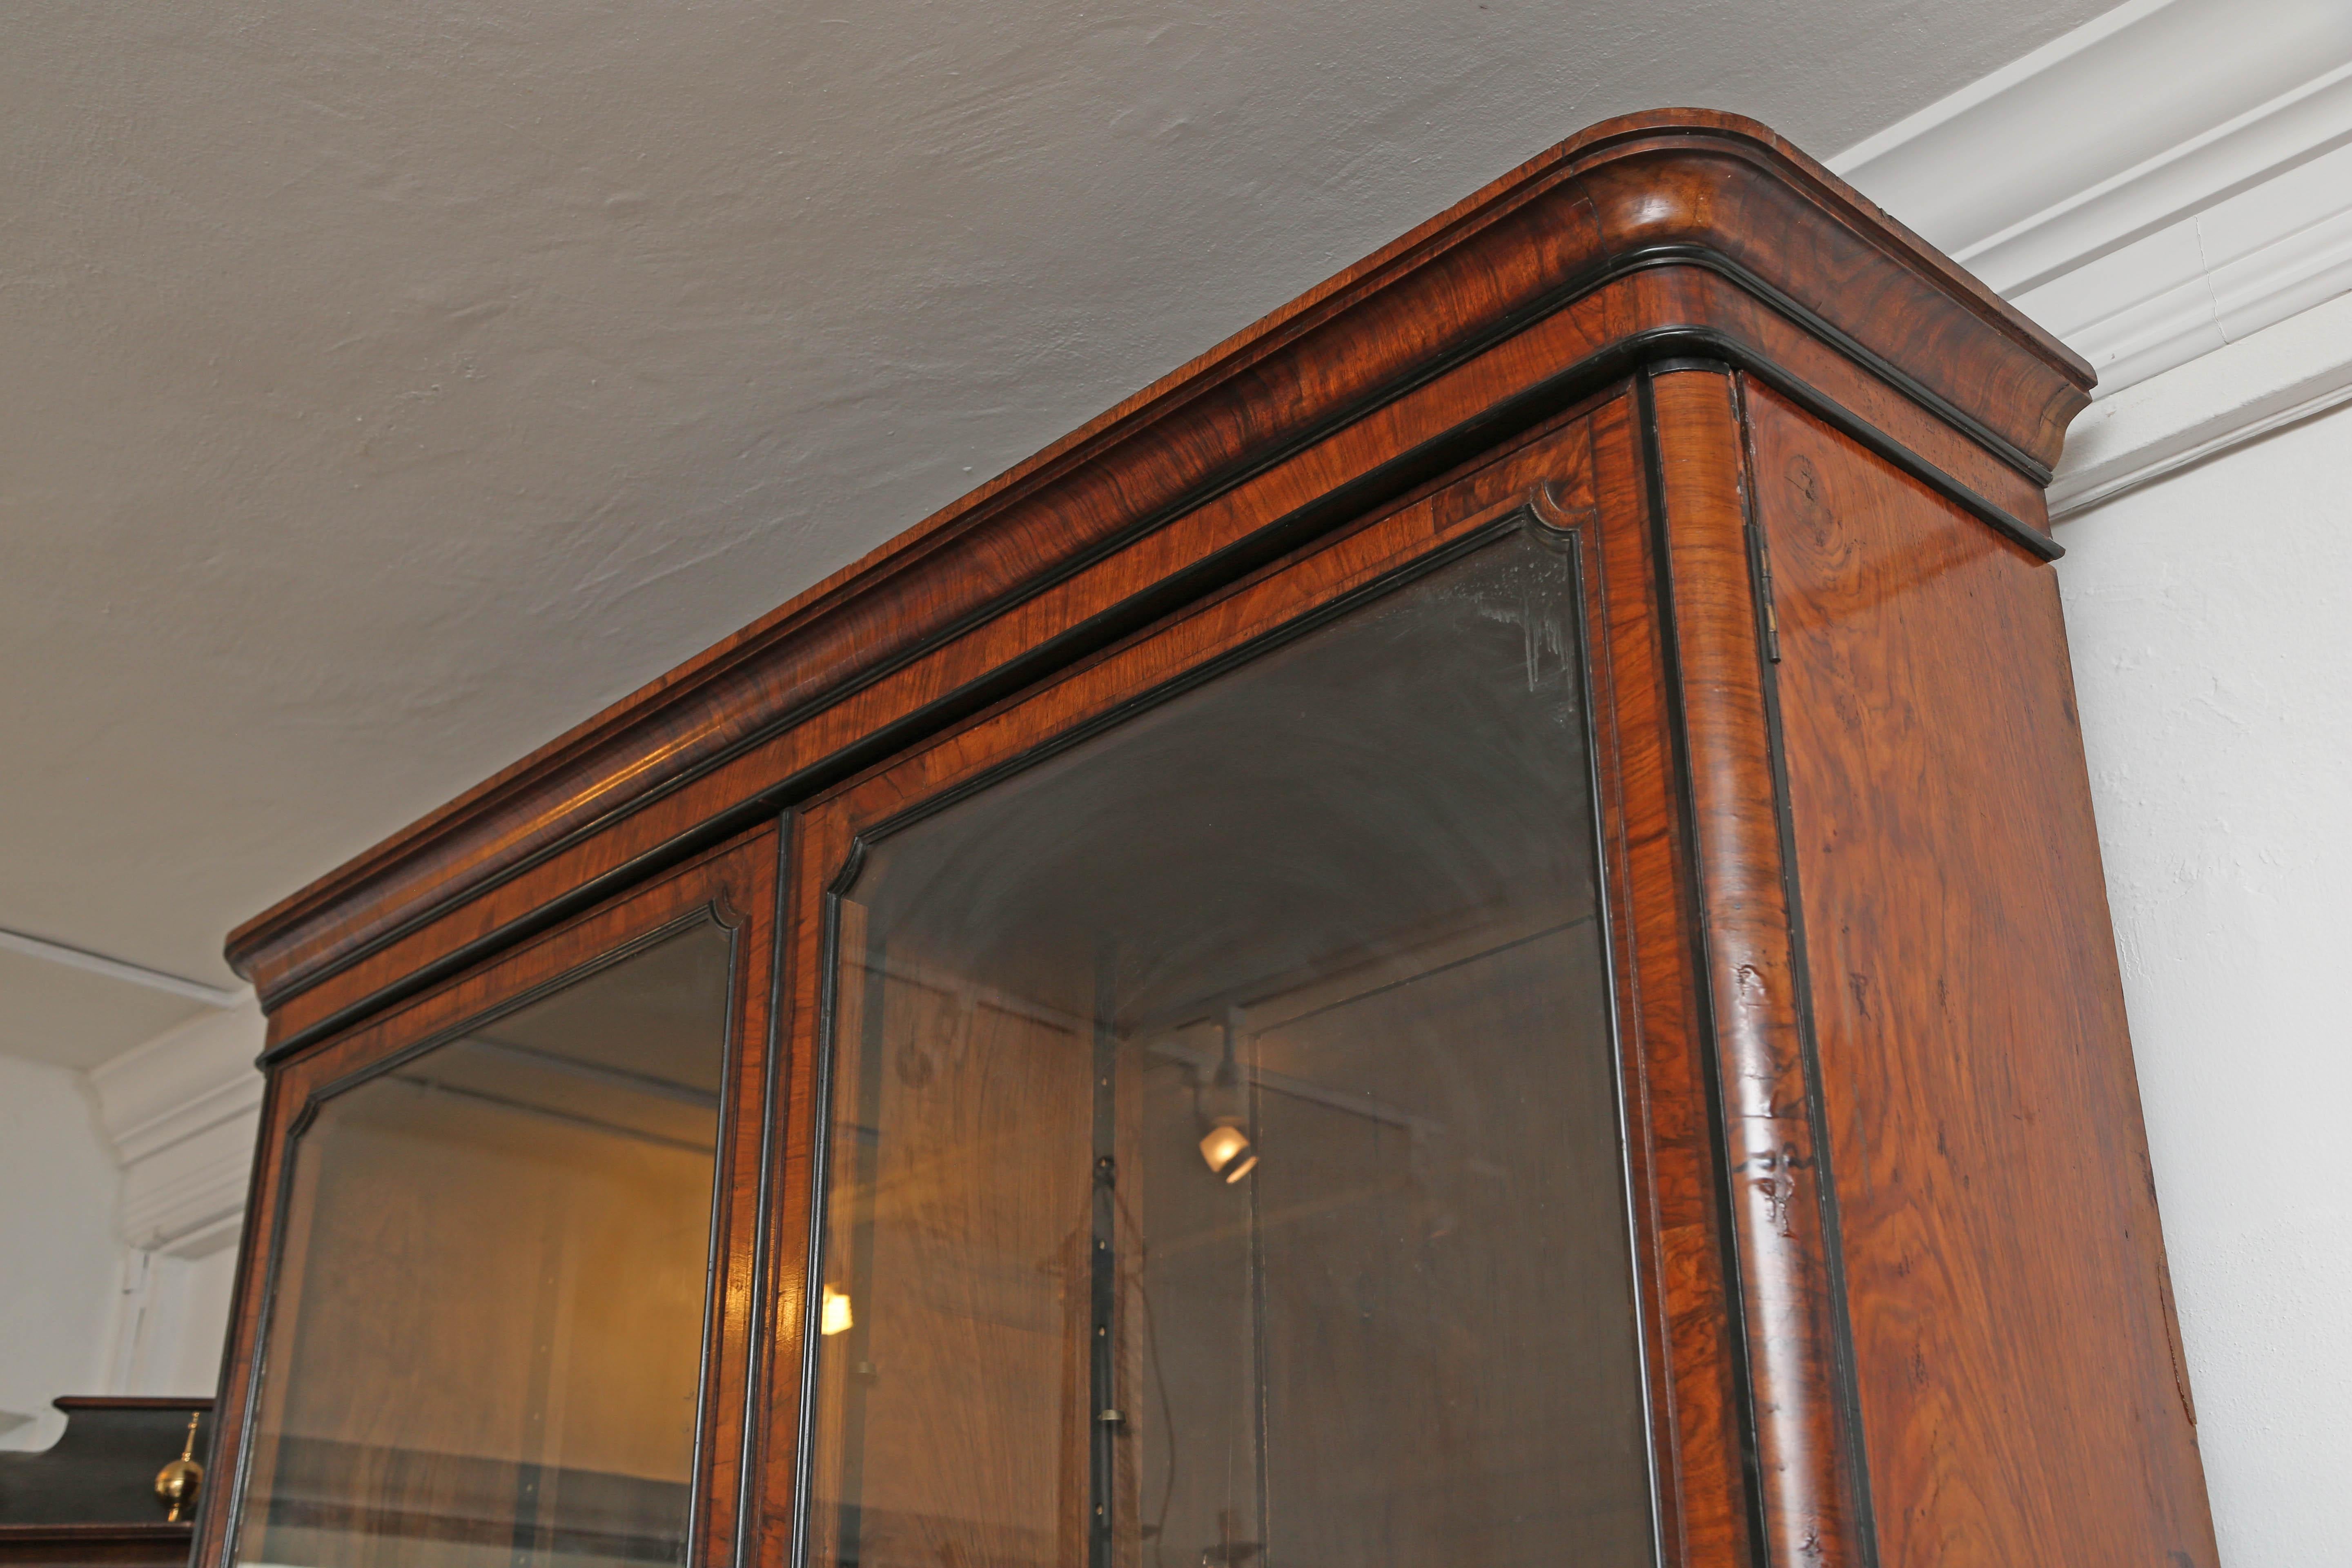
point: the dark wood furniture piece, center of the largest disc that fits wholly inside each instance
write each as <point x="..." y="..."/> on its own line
<point x="1468" y="931"/>
<point x="90" y="1496"/>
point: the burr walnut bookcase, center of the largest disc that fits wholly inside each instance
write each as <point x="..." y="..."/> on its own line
<point x="1468" y="933"/>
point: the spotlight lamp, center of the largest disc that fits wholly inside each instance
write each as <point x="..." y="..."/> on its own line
<point x="1227" y="1149"/>
<point x="1223" y="1114"/>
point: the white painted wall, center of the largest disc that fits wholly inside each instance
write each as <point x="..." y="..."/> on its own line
<point x="170" y="1320"/>
<point x="58" y="1254"/>
<point x="2211" y="616"/>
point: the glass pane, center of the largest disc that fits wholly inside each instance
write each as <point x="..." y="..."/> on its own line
<point x="1224" y="1162"/>
<point x="486" y="1338"/>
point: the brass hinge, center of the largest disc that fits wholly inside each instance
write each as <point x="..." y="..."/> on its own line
<point x="1761" y="558"/>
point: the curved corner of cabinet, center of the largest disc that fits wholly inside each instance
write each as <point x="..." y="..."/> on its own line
<point x="1957" y="1339"/>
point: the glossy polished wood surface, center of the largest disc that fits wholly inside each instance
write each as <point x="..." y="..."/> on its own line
<point x="2019" y="1367"/>
<point x="1714" y="202"/>
<point x="1811" y="1498"/>
<point x="1698" y="1398"/>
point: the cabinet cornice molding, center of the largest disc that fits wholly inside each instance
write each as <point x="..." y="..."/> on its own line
<point x="181" y="1111"/>
<point x="1680" y="192"/>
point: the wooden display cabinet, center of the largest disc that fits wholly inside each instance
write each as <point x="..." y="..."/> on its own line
<point x="1468" y="933"/>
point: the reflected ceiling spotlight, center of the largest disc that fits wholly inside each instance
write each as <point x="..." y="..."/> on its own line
<point x="1224" y="1114"/>
<point x="833" y="1315"/>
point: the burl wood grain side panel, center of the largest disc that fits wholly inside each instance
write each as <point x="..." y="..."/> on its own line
<point x="2022" y="1394"/>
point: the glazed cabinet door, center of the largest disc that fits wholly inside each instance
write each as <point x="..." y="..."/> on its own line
<point x="501" y="1252"/>
<point x="1224" y="1145"/>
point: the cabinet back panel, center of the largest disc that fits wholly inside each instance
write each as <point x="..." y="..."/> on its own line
<point x="2022" y="1396"/>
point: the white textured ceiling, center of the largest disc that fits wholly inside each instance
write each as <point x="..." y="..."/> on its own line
<point x="384" y="388"/>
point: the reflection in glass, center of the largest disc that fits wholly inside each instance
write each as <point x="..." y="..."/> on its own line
<point x="1224" y="1167"/>
<point x="486" y="1332"/>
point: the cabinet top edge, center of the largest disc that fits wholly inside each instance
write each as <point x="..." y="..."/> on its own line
<point x="1665" y="181"/>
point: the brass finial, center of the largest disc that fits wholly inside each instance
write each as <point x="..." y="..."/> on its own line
<point x="176" y="1482"/>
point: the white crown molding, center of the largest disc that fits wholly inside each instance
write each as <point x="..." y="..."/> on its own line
<point x="182" y="1111"/>
<point x="191" y="1199"/>
<point x="182" y="1081"/>
<point x="2170" y="180"/>
<point x="2132" y="121"/>
<point x="2216" y="277"/>
<point x="2284" y="373"/>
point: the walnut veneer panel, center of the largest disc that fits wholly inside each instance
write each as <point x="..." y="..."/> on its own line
<point x="2022" y="1395"/>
